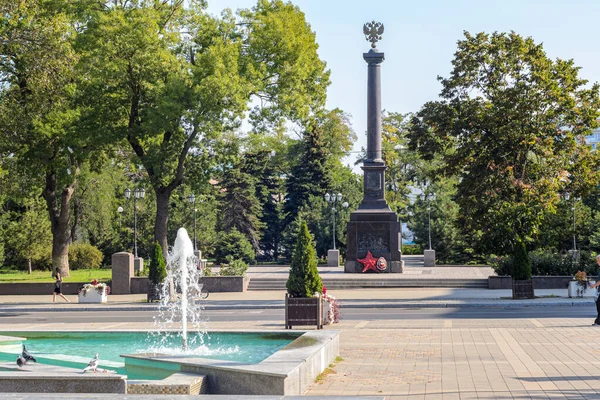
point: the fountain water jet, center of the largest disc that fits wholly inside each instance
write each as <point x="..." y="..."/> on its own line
<point x="178" y="304"/>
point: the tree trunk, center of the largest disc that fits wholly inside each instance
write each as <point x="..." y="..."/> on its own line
<point x="162" y="218"/>
<point x="160" y="228"/>
<point x="29" y="265"/>
<point x="59" y="222"/>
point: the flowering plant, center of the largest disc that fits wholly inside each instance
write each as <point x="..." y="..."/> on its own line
<point x="582" y="283"/>
<point x="101" y="288"/>
<point x="333" y="311"/>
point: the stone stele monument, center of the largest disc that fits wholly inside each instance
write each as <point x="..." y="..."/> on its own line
<point x="374" y="232"/>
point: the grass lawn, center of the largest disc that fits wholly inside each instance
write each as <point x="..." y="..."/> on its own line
<point x="79" y="275"/>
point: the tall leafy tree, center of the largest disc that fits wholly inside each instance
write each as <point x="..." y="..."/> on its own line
<point x="167" y="78"/>
<point x="37" y="114"/>
<point x="510" y="123"/>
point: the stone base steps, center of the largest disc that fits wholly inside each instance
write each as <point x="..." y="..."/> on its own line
<point x="349" y="283"/>
<point x="179" y="383"/>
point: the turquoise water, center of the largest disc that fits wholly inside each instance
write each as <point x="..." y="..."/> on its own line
<point x="76" y="349"/>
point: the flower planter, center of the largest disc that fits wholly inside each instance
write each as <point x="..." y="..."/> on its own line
<point x="154" y="292"/>
<point x="576" y="290"/>
<point x="523" y="289"/>
<point x="303" y="311"/>
<point x="92" y="296"/>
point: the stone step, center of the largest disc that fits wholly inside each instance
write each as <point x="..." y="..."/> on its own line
<point x="279" y="284"/>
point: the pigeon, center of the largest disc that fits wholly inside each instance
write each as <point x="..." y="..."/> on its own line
<point x="21" y="361"/>
<point x="28" y="357"/>
<point x="92" y="365"/>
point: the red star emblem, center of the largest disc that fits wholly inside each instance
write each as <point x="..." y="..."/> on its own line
<point x="369" y="262"/>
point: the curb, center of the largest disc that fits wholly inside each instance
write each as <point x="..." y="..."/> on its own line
<point x="280" y="306"/>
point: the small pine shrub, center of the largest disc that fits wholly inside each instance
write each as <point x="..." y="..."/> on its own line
<point x="157" y="270"/>
<point x="521" y="268"/>
<point x="304" y="279"/>
<point x="84" y="256"/>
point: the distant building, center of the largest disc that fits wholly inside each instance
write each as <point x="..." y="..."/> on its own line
<point x="593" y="139"/>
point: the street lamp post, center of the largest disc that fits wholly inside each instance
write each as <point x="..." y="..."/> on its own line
<point x="428" y="197"/>
<point x="192" y="199"/>
<point x="333" y="199"/>
<point x="138" y="193"/>
<point x="333" y="255"/>
<point x="429" y="255"/>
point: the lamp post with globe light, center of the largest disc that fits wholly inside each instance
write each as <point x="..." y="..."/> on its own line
<point x="333" y="255"/>
<point x="138" y="193"/>
<point x="428" y="255"/>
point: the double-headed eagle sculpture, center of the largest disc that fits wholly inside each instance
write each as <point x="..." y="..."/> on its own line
<point x="373" y="31"/>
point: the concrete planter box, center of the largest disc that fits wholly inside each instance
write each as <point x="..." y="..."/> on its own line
<point x="225" y="283"/>
<point x="575" y="290"/>
<point x="67" y="288"/>
<point x="539" y="282"/>
<point x="92" y="296"/>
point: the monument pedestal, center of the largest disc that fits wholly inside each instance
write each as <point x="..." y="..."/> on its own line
<point x="377" y="231"/>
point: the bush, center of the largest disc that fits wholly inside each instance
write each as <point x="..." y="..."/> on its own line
<point x="84" y="256"/>
<point x="304" y="279"/>
<point x="545" y="262"/>
<point x="411" y="249"/>
<point x="157" y="270"/>
<point x="234" y="267"/>
<point x="233" y="244"/>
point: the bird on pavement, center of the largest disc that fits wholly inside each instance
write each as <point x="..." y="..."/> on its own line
<point x="21" y="361"/>
<point x="28" y="357"/>
<point x="92" y="365"/>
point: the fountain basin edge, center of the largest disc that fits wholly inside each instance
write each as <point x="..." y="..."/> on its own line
<point x="289" y="371"/>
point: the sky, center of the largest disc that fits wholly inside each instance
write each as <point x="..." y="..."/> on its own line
<point x="420" y="40"/>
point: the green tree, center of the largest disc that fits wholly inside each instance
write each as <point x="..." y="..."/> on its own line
<point x="157" y="270"/>
<point x="29" y="234"/>
<point x="168" y="79"/>
<point x="304" y="279"/>
<point x="509" y="124"/>
<point x="239" y="207"/>
<point x="37" y="113"/>
<point x="233" y="244"/>
<point x="268" y="188"/>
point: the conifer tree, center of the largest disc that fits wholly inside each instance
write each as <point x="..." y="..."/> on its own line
<point x="521" y="269"/>
<point x="304" y="279"/>
<point x="157" y="270"/>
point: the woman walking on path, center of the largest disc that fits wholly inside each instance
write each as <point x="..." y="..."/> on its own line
<point x="57" y="286"/>
<point x="597" y="321"/>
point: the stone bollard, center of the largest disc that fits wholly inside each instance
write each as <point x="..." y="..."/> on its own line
<point x="429" y="258"/>
<point x="138" y="264"/>
<point x="333" y="258"/>
<point x="122" y="271"/>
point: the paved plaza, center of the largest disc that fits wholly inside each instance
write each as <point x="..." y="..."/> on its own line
<point x="439" y="358"/>
<point x="450" y="357"/>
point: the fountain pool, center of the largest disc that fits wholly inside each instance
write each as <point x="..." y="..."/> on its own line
<point x="75" y="349"/>
<point x="176" y="349"/>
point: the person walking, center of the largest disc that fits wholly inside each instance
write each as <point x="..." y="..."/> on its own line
<point x="595" y="285"/>
<point x="57" y="287"/>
